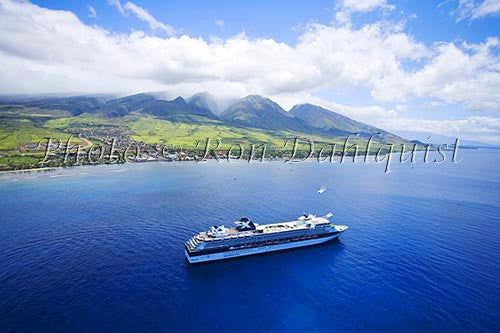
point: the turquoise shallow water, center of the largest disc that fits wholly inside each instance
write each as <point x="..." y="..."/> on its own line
<point x="101" y="248"/>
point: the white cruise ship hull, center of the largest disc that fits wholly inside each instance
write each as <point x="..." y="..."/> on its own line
<point x="257" y="250"/>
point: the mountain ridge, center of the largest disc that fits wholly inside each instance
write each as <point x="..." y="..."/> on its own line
<point x="321" y="118"/>
<point x="252" y="111"/>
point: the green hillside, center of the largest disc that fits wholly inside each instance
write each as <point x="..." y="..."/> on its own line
<point x="145" y="120"/>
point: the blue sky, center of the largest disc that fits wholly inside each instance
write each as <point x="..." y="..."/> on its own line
<point x="278" y="19"/>
<point x="402" y="65"/>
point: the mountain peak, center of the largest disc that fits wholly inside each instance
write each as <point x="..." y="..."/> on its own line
<point x="256" y="98"/>
<point x="179" y="100"/>
<point x="203" y="100"/>
<point x="261" y="112"/>
<point x="261" y="103"/>
<point x="203" y="94"/>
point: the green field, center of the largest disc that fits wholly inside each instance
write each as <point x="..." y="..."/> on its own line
<point x="16" y="133"/>
<point x="148" y="129"/>
<point x="21" y="127"/>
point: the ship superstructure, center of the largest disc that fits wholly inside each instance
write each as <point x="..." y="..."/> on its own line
<point x="248" y="238"/>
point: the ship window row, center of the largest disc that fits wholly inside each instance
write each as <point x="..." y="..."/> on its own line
<point x="261" y="239"/>
<point x="278" y="241"/>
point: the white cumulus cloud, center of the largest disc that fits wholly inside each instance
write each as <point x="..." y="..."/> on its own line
<point x="44" y="50"/>
<point x="455" y="73"/>
<point x="55" y="47"/>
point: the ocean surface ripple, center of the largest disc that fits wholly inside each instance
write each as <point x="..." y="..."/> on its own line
<point x="101" y="248"/>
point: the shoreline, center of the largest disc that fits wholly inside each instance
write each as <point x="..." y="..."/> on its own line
<point x="360" y="158"/>
<point x="29" y="170"/>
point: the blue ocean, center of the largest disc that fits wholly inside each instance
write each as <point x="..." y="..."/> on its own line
<point x="100" y="248"/>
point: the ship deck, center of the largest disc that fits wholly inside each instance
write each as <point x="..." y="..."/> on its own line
<point x="264" y="229"/>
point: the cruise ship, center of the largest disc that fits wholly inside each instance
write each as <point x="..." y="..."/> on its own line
<point x="248" y="238"/>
